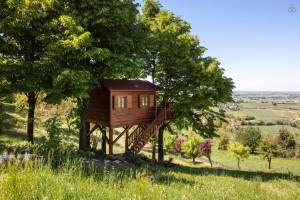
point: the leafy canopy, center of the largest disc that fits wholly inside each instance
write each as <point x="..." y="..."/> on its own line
<point x="174" y="59"/>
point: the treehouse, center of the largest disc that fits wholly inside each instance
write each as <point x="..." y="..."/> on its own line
<point x="129" y="105"/>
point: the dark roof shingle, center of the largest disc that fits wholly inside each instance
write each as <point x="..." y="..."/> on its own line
<point x="125" y="84"/>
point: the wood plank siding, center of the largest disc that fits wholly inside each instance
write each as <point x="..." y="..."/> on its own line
<point x="121" y="103"/>
<point x="99" y="107"/>
<point x="133" y="113"/>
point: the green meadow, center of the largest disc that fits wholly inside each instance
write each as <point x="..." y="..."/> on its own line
<point x="180" y="180"/>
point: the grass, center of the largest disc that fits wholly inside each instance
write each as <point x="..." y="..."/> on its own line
<point x="255" y="163"/>
<point x="187" y="181"/>
<point x="73" y="181"/>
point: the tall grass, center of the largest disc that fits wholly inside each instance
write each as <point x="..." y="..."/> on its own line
<point x="36" y="180"/>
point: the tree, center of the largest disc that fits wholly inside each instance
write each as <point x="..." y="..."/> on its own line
<point x="205" y="150"/>
<point x="174" y="59"/>
<point x="223" y="142"/>
<point x="250" y="137"/>
<point x="169" y="141"/>
<point x="191" y="147"/>
<point x="286" y="140"/>
<point x="27" y="30"/>
<point x="239" y="151"/>
<point x="111" y="50"/>
<point x="268" y="149"/>
<point x="179" y="144"/>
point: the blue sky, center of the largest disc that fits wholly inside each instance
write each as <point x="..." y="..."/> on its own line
<point x="257" y="42"/>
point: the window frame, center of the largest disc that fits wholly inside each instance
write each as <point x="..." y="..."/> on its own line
<point x="122" y="102"/>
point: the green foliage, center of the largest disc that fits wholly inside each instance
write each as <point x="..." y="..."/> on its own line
<point x="287" y="142"/>
<point x="1" y="116"/>
<point x="169" y="141"/>
<point x="57" y="145"/>
<point x="191" y="146"/>
<point x="223" y="142"/>
<point x="250" y="137"/>
<point x="20" y="102"/>
<point x="239" y="151"/>
<point x="174" y="59"/>
<point x="268" y="149"/>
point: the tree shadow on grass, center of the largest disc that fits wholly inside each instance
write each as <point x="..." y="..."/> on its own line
<point x="247" y="175"/>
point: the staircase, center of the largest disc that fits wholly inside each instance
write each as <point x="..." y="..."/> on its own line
<point x="143" y="133"/>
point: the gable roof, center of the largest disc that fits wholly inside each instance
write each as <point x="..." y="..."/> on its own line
<point x="125" y="84"/>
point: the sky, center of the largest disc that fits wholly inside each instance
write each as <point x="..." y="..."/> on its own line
<point x="257" y="41"/>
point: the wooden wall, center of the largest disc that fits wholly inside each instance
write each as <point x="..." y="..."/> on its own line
<point x="103" y="108"/>
<point x="134" y="113"/>
<point x="99" y="107"/>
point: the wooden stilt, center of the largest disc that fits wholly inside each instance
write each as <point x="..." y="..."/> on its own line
<point x="111" y="139"/>
<point x="103" y="145"/>
<point x="126" y="142"/>
<point x="153" y="148"/>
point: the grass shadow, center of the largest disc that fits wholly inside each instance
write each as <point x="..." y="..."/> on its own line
<point x="247" y="175"/>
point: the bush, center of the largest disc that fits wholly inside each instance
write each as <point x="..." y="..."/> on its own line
<point x="268" y="149"/>
<point x="223" y="143"/>
<point x="205" y="150"/>
<point x="286" y="140"/>
<point x="239" y="151"/>
<point x="249" y="118"/>
<point x="58" y="146"/>
<point x="179" y="143"/>
<point x="191" y="147"/>
<point x="169" y="141"/>
<point x="250" y="137"/>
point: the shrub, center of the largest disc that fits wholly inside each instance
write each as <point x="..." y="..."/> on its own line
<point x="286" y="140"/>
<point x="169" y="141"/>
<point x="239" y="151"/>
<point x="205" y="150"/>
<point x="58" y="146"/>
<point x="249" y="118"/>
<point x="191" y="147"/>
<point x="223" y="143"/>
<point x="179" y="143"/>
<point x="268" y="149"/>
<point x="250" y="137"/>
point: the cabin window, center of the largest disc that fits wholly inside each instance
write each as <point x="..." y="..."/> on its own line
<point x="121" y="102"/>
<point x="145" y="101"/>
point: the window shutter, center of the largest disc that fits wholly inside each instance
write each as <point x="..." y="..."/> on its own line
<point x="129" y="101"/>
<point x="140" y="101"/>
<point x="116" y="98"/>
<point x="152" y="100"/>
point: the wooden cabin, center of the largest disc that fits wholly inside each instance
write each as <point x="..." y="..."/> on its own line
<point x="119" y="103"/>
<point x="125" y="104"/>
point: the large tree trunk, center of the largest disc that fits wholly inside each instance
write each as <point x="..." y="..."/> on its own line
<point x="269" y="161"/>
<point x="30" y="117"/>
<point x="83" y="128"/>
<point x="161" y="143"/>
<point x="82" y="135"/>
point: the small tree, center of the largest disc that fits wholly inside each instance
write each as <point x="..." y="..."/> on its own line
<point x="268" y="149"/>
<point x="223" y="143"/>
<point x="179" y="143"/>
<point x="191" y="147"/>
<point x="250" y="137"/>
<point x="169" y="141"/>
<point x="287" y="142"/>
<point x="239" y="151"/>
<point x="205" y="150"/>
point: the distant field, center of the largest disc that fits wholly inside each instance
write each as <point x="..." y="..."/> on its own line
<point x="267" y="112"/>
